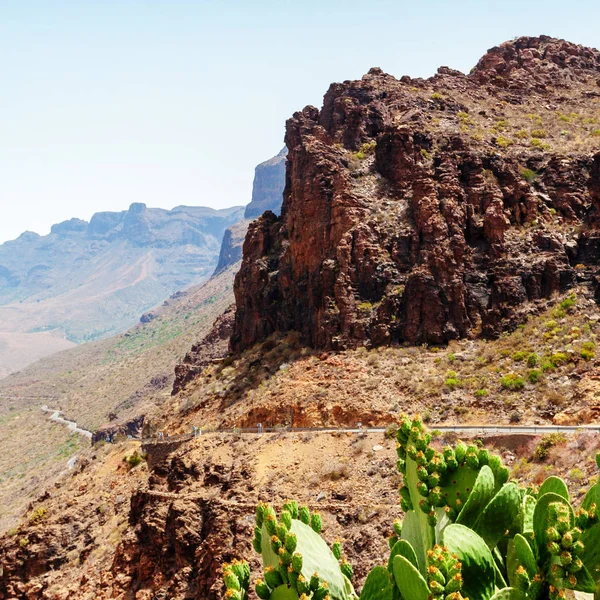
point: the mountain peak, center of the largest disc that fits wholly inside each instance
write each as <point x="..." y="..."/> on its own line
<point x="530" y="62"/>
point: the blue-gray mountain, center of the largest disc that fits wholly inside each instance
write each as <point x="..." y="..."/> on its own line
<point x="267" y="194"/>
<point x="88" y="280"/>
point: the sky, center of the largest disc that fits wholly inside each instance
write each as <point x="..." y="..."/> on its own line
<point x="109" y="102"/>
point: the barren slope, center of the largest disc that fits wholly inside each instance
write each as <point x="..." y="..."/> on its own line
<point x="128" y="375"/>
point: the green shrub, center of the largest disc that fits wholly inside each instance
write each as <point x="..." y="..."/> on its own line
<point x="519" y="356"/>
<point x="534" y="376"/>
<point x="365" y="150"/>
<point x="37" y="515"/>
<point x="547" y="366"/>
<point x="538" y="133"/>
<point x="481" y="393"/>
<point x="451" y="357"/>
<point x="133" y="460"/>
<point x="529" y="175"/>
<point x="533" y="360"/>
<point x="587" y="354"/>
<point x="436" y="96"/>
<point x="537" y="143"/>
<point x="595" y="133"/>
<point x="503" y="142"/>
<point x="558" y="359"/>
<point x="568" y="303"/>
<point x="576" y="474"/>
<point x="452" y="380"/>
<point x="512" y="381"/>
<point x="547" y="442"/>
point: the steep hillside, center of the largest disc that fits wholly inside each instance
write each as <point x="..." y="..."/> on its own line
<point x="231" y="246"/>
<point x="164" y="533"/>
<point x="104" y="383"/>
<point x="89" y="280"/>
<point x="430" y="210"/>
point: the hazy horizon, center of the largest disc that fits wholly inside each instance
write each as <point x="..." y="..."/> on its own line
<point x="175" y="103"/>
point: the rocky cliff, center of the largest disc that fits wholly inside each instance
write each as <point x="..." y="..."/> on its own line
<point x="231" y="246"/>
<point x="426" y="210"/>
<point x="267" y="194"/>
<point x="267" y="189"/>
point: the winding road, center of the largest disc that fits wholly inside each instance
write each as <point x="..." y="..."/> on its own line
<point x="55" y="416"/>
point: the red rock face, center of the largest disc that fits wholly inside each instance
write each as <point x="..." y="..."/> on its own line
<point x="213" y="346"/>
<point x="426" y="234"/>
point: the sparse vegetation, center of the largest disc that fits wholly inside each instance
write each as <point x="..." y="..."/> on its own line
<point x="512" y="381"/>
<point x="426" y="554"/>
<point x="529" y="174"/>
<point x="366" y="149"/>
<point x="37" y="515"/>
<point x="452" y="380"/>
<point x="134" y="459"/>
<point x="546" y="443"/>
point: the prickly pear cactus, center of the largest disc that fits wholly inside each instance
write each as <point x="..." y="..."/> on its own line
<point x="467" y="533"/>
<point x="456" y="485"/>
<point x="297" y="562"/>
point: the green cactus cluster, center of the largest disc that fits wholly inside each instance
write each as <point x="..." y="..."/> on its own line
<point x="467" y="534"/>
<point x="298" y="564"/>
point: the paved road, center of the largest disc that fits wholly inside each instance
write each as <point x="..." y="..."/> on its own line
<point x="55" y="416"/>
<point x="483" y="430"/>
<point x="500" y="429"/>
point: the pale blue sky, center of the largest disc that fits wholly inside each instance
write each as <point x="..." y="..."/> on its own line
<point x="108" y="102"/>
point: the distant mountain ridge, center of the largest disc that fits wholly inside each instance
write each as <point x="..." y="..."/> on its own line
<point x="86" y="280"/>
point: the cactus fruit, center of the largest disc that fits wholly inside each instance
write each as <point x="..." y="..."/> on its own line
<point x="236" y="576"/>
<point x="466" y="533"/>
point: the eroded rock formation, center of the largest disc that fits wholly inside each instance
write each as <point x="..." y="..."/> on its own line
<point x="426" y="210"/>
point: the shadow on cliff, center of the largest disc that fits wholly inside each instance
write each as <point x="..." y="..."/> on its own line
<point x="258" y="364"/>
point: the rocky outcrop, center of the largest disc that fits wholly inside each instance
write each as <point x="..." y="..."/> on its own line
<point x="130" y="429"/>
<point x="267" y="194"/>
<point x="212" y="347"/>
<point x="267" y="189"/>
<point x="406" y="220"/>
<point x="231" y="246"/>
